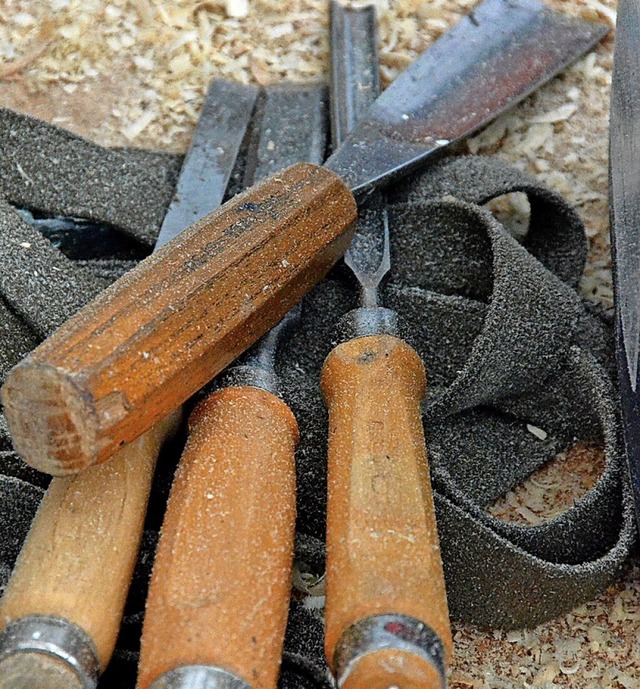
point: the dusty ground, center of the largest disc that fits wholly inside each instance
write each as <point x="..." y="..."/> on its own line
<point x="134" y="72"/>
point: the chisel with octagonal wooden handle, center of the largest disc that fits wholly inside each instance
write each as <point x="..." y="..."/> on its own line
<point x="62" y="607"/>
<point x="160" y="333"/>
<point x="219" y="594"/>
<point x="387" y="620"/>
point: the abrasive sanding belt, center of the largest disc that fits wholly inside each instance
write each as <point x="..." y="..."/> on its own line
<point x="505" y="339"/>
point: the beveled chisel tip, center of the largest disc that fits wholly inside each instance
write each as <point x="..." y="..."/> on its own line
<point x="40" y="651"/>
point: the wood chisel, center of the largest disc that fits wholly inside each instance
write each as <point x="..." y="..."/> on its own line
<point x="62" y="608"/>
<point x="387" y="620"/>
<point x="159" y="334"/>
<point x="219" y="594"/>
<point x="624" y="204"/>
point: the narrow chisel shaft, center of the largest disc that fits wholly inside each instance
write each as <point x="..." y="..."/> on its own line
<point x="387" y="617"/>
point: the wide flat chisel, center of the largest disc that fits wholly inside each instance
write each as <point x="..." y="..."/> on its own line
<point x="624" y="205"/>
<point x="160" y="333"/>
<point x="219" y="593"/>
<point x="387" y="620"/>
<point x="62" y="608"/>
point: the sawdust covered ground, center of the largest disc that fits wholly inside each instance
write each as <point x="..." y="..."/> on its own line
<point x="134" y="73"/>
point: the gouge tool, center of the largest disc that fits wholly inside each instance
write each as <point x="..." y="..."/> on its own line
<point x="624" y="204"/>
<point x="62" y="608"/>
<point x="160" y="333"/>
<point x="218" y="599"/>
<point x="387" y="621"/>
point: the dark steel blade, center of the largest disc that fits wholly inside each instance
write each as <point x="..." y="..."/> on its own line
<point x="292" y="129"/>
<point x="624" y="203"/>
<point x="209" y="162"/>
<point x="355" y="84"/>
<point x="488" y="62"/>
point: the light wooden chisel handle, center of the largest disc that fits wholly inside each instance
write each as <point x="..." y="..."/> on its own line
<point x="385" y="583"/>
<point x="158" y="334"/>
<point x="70" y="583"/>
<point x="219" y="592"/>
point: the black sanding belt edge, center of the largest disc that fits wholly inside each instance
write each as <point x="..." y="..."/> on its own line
<point x="37" y="280"/>
<point x="549" y="568"/>
<point x="49" y="169"/>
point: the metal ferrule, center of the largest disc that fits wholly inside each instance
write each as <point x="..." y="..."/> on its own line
<point x="57" y="637"/>
<point x="254" y="376"/>
<point x="367" y="321"/>
<point x="199" y="677"/>
<point x="381" y="632"/>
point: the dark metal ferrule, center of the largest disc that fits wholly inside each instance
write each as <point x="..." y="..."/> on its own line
<point x="199" y="677"/>
<point x="367" y="321"/>
<point x="57" y="637"/>
<point x="382" y="632"/>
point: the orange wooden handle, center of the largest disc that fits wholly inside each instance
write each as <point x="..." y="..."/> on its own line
<point x="382" y="544"/>
<point x="78" y="558"/>
<point x="160" y="333"/>
<point x="220" y="587"/>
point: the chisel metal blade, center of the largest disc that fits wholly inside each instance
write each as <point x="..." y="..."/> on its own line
<point x="466" y="71"/>
<point x="624" y="203"/>
<point x="206" y="170"/>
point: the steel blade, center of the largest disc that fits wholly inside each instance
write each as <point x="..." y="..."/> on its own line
<point x="624" y="203"/>
<point x="355" y="84"/>
<point x="211" y="156"/>
<point x="292" y="128"/>
<point x="488" y="62"/>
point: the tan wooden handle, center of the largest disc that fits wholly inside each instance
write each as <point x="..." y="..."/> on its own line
<point x="382" y="544"/>
<point x="78" y="558"/>
<point x="160" y="333"/>
<point x="220" y="587"/>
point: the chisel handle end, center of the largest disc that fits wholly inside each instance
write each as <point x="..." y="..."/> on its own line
<point x="220" y="587"/>
<point x="36" y="671"/>
<point x="160" y="333"/>
<point x="67" y="592"/>
<point x="40" y="651"/>
<point x="383" y="555"/>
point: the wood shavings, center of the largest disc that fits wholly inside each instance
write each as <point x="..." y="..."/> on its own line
<point x="41" y="45"/>
<point x="552" y="489"/>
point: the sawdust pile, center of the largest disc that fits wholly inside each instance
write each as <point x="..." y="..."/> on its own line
<point x="135" y="72"/>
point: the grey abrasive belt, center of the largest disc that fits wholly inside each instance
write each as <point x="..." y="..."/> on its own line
<point x="506" y="341"/>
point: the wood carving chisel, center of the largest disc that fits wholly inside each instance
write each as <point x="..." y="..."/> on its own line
<point x="624" y="205"/>
<point x="387" y="621"/>
<point x="159" y="334"/>
<point x="62" y="608"/>
<point x="219" y="593"/>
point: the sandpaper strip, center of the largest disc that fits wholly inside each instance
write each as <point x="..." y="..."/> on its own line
<point x="37" y="280"/>
<point x="49" y="169"/>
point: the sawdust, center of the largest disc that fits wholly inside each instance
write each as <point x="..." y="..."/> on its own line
<point x="135" y="72"/>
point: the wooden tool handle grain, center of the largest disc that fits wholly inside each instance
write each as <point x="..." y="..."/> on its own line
<point x="78" y="558"/>
<point x="160" y="333"/>
<point x="220" y="587"/>
<point x="383" y="552"/>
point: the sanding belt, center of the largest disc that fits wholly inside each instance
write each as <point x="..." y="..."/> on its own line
<point x="505" y="338"/>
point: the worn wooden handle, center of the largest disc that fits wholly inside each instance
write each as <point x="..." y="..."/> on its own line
<point x="220" y="587"/>
<point x="78" y="558"/>
<point x="382" y="544"/>
<point x="160" y="333"/>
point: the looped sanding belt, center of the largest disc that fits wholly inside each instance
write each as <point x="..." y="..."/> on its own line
<point x="506" y="342"/>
